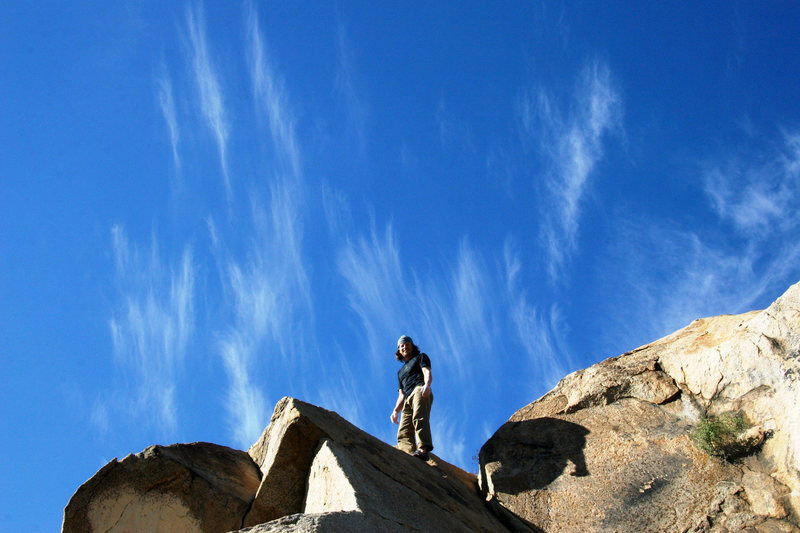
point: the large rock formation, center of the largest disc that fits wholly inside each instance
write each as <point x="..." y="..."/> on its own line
<point x="310" y="471"/>
<point x="609" y="449"/>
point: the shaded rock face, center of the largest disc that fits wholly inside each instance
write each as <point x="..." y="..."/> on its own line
<point x="184" y="487"/>
<point x="609" y="449"/>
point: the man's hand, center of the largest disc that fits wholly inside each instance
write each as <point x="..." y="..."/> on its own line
<point x="426" y="390"/>
<point x="398" y="405"/>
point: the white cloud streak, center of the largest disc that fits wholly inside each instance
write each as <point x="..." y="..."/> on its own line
<point x="270" y="99"/>
<point x="686" y="274"/>
<point x="347" y="90"/>
<point x="272" y="312"/>
<point x="340" y="387"/>
<point x="167" y="104"/>
<point x="681" y="277"/>
<point x="448" y="435"/>
<point x="338" y="215"/>
<point x="572" y="141"/>
<point x="153" y="325"/>
<point x="282" y="227"/>
<point x="100" y="417"/>
<point x="535" y="329"/>
<point x="377" y="291"/>
<point x="245" y="402"/>
<point x="271" y="333"/>
<point x="758" y="199"/>
<point x="457" y="315"/>
<point x="209" y="90"/>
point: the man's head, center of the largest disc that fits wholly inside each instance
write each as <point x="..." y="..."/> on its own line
<point x="406" y="348"/>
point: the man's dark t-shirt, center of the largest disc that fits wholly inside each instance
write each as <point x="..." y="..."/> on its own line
<point x="410" y="375"/>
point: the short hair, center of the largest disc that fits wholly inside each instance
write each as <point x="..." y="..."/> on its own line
<point x="414" y="352"/>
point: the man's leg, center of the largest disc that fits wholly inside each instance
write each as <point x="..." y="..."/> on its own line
<point x="421" y="407"/>
<point x="405" y="433"/>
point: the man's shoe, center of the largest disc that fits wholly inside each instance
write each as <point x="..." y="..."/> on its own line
<point x="421" y="454"/>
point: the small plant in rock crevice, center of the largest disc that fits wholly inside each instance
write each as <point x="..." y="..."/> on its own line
<point x="723" y="436"/>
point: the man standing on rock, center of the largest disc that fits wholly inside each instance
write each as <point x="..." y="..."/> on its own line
<point x="414" y="400"/>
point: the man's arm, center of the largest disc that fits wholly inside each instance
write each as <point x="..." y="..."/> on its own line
<point x="398" y="406"/>
<point x="426" y="374"/>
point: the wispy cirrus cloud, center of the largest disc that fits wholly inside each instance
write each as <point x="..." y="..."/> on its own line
<point x="245" y="403"/>
<point x="680" y="274"/>
<point x="572" y="142"/>
<point x="270" y="334"/>
<point x="758" y="198"/>
<point x="757" y="195"/>
<point x="287" y="190"/>
<point x="535" y="329"/>
<point x="790" y="156"/>
<point x="209" y="89"/>
<point x="270" y="97"/>
<point x="377" y="291"/>
<point x="675" y="277"/>
<point x="448" y="311"/>
<point x="448" y="435"/>
<point x="279" y="228"/>
<point x="338" y="215"/>
<point x="272" y="320"/>
<point x="440" y="313"/>
<point x="152" y="326"/>
<point x="166" y="102"/>
<point x="346" y="88"/>
<point x="457" y="314"/>
<point x="340" y="388"/>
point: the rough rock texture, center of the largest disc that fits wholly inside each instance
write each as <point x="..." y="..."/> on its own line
<point x="350" y="521"/>
<point x="183" y="487"/>
<point x="320" y="472"/>
<point x="609" y="450"/>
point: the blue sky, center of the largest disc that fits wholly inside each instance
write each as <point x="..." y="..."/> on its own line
<point x="208" y="206"/>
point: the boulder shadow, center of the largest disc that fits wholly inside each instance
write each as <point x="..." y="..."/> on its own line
<point x="533" y="453"/>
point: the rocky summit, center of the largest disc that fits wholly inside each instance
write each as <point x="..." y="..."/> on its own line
<point x="611" y="448"/>
<point x="311" y="470"/>
<point x="634" y="443"/>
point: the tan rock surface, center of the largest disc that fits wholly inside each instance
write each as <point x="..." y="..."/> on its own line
<point x="751" y="363"/>
<point x="612" y="440"/>
<point x="184" y="487"/>
<point x="315" y="462"/>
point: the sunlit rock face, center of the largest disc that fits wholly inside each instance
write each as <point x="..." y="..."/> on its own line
<point x="184" y="487"/>
<point x="609" y="448"/>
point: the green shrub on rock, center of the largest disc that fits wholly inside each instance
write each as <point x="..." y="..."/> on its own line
<point x="724" y="436"/>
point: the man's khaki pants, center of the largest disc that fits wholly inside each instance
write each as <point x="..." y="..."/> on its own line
<point x="415" y="422"/>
